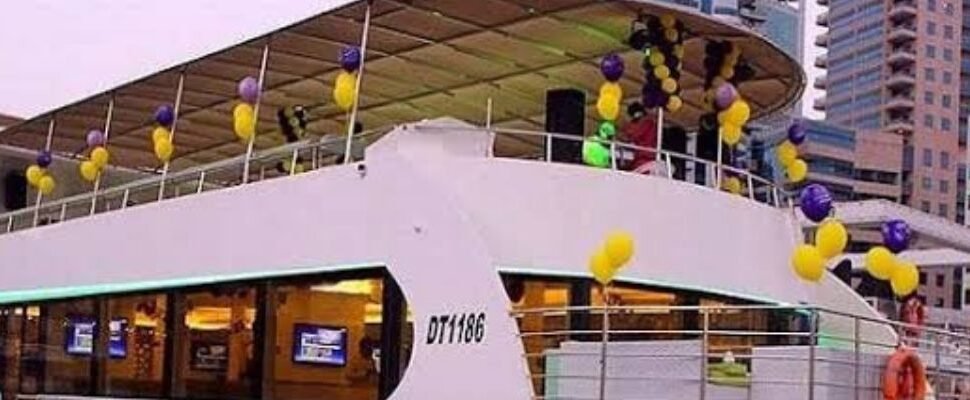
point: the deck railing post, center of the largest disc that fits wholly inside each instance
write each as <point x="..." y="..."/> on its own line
<point x="605" y="339"/>
<point x="107" y="132"/>
<point x="660" y="132"/>
<point x="936" y="361"/>
<point x="613" y="154"/>
<point x="10" y="224"/>
<point x="259" y="97"/>
<point x="352" y="119"/>
<point x="812" y="338"/>
<point x="124" y="198"/>
<point x="201" y="182"/>
<point x="857" y="345"/>
<point x="175" y="121"/>
<point x="705" y="338"/>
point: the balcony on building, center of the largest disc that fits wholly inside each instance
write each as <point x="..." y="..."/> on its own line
<point x="902" y="10"/>
<point x="820" y="82"/>
<point x="901" y="56"/>
<point x="822" y="40"/>
<point x="901" y="102"/>
<point x="901" y="79"/>
<point x="819" y="104"/>
<point x="822" y="60"/>
<point x="822" y="19"/>
<point x="900" y="33"/>
<point x="900" y="125"/>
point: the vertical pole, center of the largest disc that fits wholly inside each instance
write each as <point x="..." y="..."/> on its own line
<point x="107" y="131"/>
<point x="605" y="339"/>
<point x="10" y="224"/>
<point x="813" y="327"/>
<point x="315" y="154"/>
<point x="857" y="344"/>
<point x="47" y="147"/>
<point x="296" y="154"/>
<point x="548" y="147"/>
<point x="705" y="338"/>
<point x="720" y="155"/>
<point x="936" y="362"/>
<point x="175" y="122"/>
<point x="613" y="154"/>
<point x="660" y="133"/>
<point x="750" y="186"/>
<point x="259" y="98"/>
<point x="488" y="114"/>
<point x="63" y="215"/>
<point x="966" y="176"/>
<point x="201" y="182"/>
<point x="352" y="120"/>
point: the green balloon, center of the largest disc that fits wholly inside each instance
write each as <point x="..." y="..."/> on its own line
<point x="607" y="130"/>
<point x="595" y="154"/>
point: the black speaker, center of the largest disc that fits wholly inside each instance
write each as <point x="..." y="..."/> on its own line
<point x="566" y="114"/>
<point x="14" y="191"/>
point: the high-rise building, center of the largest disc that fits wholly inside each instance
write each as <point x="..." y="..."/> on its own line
<point x="893" y="68"/>
<point x="778" y="18"/>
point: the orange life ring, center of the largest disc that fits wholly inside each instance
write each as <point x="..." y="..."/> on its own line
<point x="905" y="376"/>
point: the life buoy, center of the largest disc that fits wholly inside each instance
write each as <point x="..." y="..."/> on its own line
<point x="904" y="377"/>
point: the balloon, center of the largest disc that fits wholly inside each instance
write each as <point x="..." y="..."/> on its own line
<point x="880" y="262"/>
<point x="89" y="170"/>
<point x="796" y="133"/>
<point x="46" y="184"/>
<point x="671" y="35"/>
<point x="787" y="153"/>
<point x="731" y="134"/>
<point x="165" y="115"/>
<point x="896" y="235"/>
<point x="100" y="156"/>
<point x="619" y="248"/>
<point x="904" y="279"/>
<point x="797" y="171"/>
<point x="831" y="238"/>
<point x="44" y="158"/>
<point x="612" y="67"/>
<point x="161" y="133"/>
<point x="738" y="112"/>
<point x="595" y="154"/>
<point x="612" y="90"/>
<point x="656" y="58"/>
<point x="661" y="72"/>
<point x="599" y="266"/>
<point x="732" y="185"/>
<point x="674" y="103"/>
<point x="350" y="58"/>
<point x="34" y="173"/>
<point x="249" y="89"/>
<point x="244" y="127"/>
<point x="608" y="108"/>
<point x="606" y="130"/>
<point x="343" y="90"/>
<point x="727" y="72"/>
<point x="667" y="21"/>
<point x="95" y="138"/>
<point x="815" y="202"/>
<point x="669" y="85"/>
<point x="808" y="263"/>
<point x="164" y="150"/>
<point x="679" y="51"/>
<point x="725" y="95"/>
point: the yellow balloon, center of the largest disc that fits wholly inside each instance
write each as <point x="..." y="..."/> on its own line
<point x="46" y="184"/>
<point x="243" y="110"/>
<point x="599" y="266"/>
<point x="732" y="185"/>
<point x="661" y="72"/>
<point x="245" y="127"/>
<point x="738" y="112"/>
<point x="656" y="58"/>
<point x="671" y="35"/>
<point x="100" y="156"/>
<point x="669" y="85"/>
<point x="667" y="21"/>
<point x="612" y="90"/>
<point x="34" y="173"/>
<point x="787" y="153"/>
<point x="904" y="279"/>
<point x="89" y="170"/>
<point x="733" y="55"/>
<point x="674" y="103"/>
<point x="797" y="171"/>
<point x="727" y="72"/>
<point x="343" y="90"/>
<point x="679" y="51"/>
<point x="880" y="262"/>
<point x="608" y="108"/>
<point x="731" y="134"/>
<point x="619" y="248"/>
<point x="159" y="133"/>
<point x="708" y="99"/>
<point x="831" y="238"/>
<point x="808" y="263"/>
<point x="164" y="150"/>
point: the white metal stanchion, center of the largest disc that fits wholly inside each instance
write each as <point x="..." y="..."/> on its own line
<point x="352" y="120"/>
<point x="107" y="132"/>
<point x="259" y="98"/>
<point x="966" y="177"/>
<point x="720" y="154"/>
<point x="660" y="133"/>
<point x="47" y="148"/>
<point x="175" y="121"/>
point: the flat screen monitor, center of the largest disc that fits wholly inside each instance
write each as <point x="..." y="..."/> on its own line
<point x="319" y="345"/>
<point x="79" y="335"/>
<point x="209" y="356"/>
<point x="118" y="339"/>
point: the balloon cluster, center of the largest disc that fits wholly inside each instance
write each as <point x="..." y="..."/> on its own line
<point x="595" y="152"/>
<point x="831" y="236"/>
<point x="162" y="134"/>
<point x="724" y="69"/>
<point x="795" y="168"/>
<point x="607" y="260"/>
<point x="97" y="159"/>
<point x="662" y="44"/>
<point x="293" y="123"/>
<point x="244" y="114"/>
<point x="344" y="89"/>
<point x="37" y="174"/>
<point x="882" y="263"/>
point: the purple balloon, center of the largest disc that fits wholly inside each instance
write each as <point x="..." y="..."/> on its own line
<point x="44" y="158"/>
<point x="95" y="138"/>
<point x="249" y="89"/>
<point x="815" y="202"/>
<point x="350" y="58"/>
<point x="725" y="95"/>
<point x="796" y="133"/>
<point x="612" y="67"/>
<point x="653" y="97"/>
<point x="896" y="235"/>
<point x="165" y="115"/>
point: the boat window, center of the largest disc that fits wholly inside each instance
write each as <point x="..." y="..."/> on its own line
<point x="132" y="357"/>
<point x="539" y="299"/>
<point x="68" y="341"/>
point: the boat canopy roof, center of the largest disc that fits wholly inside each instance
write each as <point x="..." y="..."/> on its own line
<point x="425" y="58"/>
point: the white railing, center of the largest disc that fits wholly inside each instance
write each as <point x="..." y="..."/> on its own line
<point x="313" y="155"/>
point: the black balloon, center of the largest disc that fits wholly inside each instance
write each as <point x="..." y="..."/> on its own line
<point x="639" y="39"/>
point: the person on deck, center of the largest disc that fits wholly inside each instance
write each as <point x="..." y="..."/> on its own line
<point x="641" y="131"/>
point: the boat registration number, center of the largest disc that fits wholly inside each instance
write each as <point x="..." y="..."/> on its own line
<point x="456" y="329"/>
